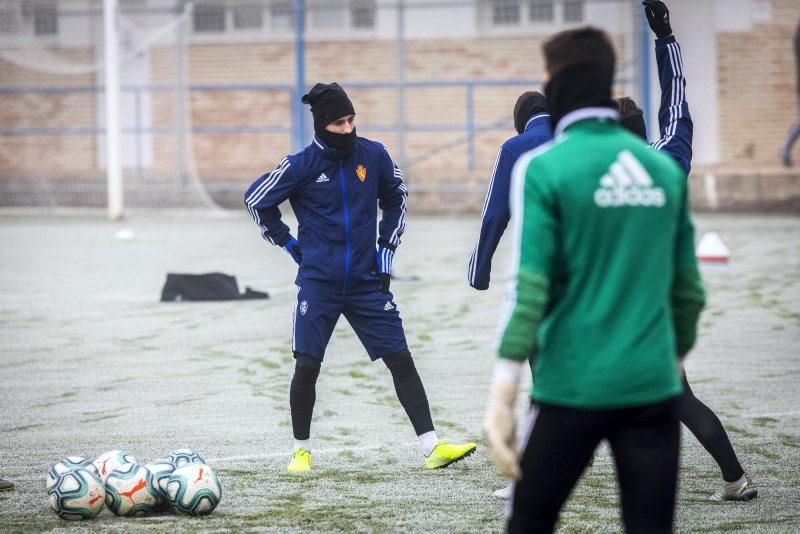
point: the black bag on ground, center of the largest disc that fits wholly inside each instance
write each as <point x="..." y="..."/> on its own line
<point x="200" y="287"/>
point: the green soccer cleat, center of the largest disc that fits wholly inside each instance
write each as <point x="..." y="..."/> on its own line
<point x="301" y="461"/>
<point x="446" y="453"/>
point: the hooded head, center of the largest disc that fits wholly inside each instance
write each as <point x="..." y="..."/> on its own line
<point x="529" y="104"/>
<point x="631" y="116"/>
<point x="328" y="103"/>
<point x="580" y="64"/>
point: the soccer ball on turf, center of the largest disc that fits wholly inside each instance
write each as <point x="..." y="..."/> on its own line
<point x="109" y="461"/>
<point x="180" y="457"/>
<point x="194" y="489"/>
<point x="70" y="463"/>
<point x="131" y="491"/>
<point x="161" y="470"/>
<point x="76" y="495"/>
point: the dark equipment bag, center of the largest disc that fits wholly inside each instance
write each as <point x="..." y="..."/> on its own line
<point x="205" y="287"/>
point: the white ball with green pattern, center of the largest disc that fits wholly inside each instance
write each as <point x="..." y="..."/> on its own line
<point x="131" y="491"/>
<point x="181" y="457"/>
<point x="65" y="465"/>
<point x="194" y="489"/>
<point x="161" y="469"/>
<point x="107" y="462"/>
<point x="76" y="495"/>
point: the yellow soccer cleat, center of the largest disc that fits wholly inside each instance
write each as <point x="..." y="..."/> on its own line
<point x="301" y="461"/>
<point x="446" y="453"/>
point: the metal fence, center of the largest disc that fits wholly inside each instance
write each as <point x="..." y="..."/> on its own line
<point x="210" y="89"/>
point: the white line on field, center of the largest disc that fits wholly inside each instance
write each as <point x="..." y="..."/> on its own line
<point x="285" y="453"/>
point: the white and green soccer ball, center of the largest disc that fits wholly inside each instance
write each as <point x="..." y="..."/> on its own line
<point x="110" y="461"/>
<point x="65" y="465"/>
<point x="180" y="457"/>
<point x="131" y="491"/>
<point x="194" y="489"/>
<point x="161" y="470"/>
<point x="77" y="494"/>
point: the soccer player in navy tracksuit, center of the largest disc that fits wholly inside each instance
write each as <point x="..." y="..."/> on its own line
<point x="676" y="130"/>
<point x="335" y="186"/>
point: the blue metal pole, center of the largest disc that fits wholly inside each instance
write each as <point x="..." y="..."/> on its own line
<point x="299" y="75"/>
<point x="644" y="54"/>
<point x="470" y="128"/>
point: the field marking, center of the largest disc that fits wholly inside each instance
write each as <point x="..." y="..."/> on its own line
<point x="773" y="414"/>
<point x="266" y="456"/>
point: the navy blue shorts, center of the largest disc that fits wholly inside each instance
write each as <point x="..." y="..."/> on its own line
<point x="373" y="315"/>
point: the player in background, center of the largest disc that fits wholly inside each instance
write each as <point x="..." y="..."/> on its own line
<point x="532" y="123"/>
<point x="335" y="186"/>
<point x="794" y="133"/>
<point x="604" y="272"/>
<point x="676" y="139"/>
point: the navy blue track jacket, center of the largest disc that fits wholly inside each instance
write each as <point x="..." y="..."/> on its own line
<point x="675" y="126"/>
<point x="335" y="202"/>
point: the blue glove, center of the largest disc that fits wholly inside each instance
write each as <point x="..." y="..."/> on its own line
<point x="293" y="248"/>
<point x="384" y="271"/>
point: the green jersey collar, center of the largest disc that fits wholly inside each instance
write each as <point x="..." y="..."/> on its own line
<point x="583" y="114"/>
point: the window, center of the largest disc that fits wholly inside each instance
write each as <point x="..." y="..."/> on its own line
<point x="209" y="18"/>
<point x="281" y="13"/>
<point x="540" y="10"/>
<point x="328" y="14"/>
<point x="362" y="13"/>
<point x="247" y="17"/>
<point x="45" y="19"/>
<point x="505" y="11"/>
<point x="573" y="10"/>
<point x="8" y="22"/>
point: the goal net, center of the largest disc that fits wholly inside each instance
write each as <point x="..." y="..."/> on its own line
<point x="52" y="147"/>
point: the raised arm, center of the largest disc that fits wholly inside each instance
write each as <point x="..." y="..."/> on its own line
<point x="674" y="121"/>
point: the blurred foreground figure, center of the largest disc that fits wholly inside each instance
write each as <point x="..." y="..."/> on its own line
<point x="605" y="293"/>
<point x="335" y="187"/>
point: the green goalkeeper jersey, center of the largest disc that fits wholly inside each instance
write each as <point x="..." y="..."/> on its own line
<point x="606" y="290"/>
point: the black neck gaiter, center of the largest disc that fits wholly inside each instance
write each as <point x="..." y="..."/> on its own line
<point x="578" y="86"/>
<point x="343" y="144"/>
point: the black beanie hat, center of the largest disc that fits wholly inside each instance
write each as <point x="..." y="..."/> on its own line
<point x="528" y="104"/>
<point x="328" y="103"/>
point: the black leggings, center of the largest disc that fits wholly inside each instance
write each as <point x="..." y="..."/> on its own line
<point x="708" y="430"/>
<point x="407" y="383"/>
<point x="645" y="443"/>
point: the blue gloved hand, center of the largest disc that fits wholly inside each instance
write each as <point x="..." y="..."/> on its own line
<point x="384" y="271"/>
<point x="293" y="248"/>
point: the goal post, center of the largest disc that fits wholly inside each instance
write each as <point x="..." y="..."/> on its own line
<point x="112" y="102"/>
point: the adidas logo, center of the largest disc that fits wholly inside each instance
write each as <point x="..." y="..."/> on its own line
<point x="627" y="184"/>
<point x="388" y="306"/>
<point x="323" y="178"/>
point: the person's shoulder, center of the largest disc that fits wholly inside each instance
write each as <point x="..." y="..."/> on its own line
<point x="371" y="145"/>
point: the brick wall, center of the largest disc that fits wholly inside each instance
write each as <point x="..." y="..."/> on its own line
<point x="757" y="104"/>
<point x="757" y="90"/>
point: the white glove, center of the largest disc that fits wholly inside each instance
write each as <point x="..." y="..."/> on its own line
<point x="499" y="424"/>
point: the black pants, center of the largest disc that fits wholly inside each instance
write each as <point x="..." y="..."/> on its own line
<point x="645" y="443"/>
<point x="708" y="430"/>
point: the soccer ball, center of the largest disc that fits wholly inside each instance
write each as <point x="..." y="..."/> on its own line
<point x="131" y="491"/>
<point x="180" y="457"/>
<point x="77" y="494"/>
<point x="109" y="461"/>
<point x="70" y="463"/>
<point x="194" y="489"/>
<point x="161" y="470"/>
